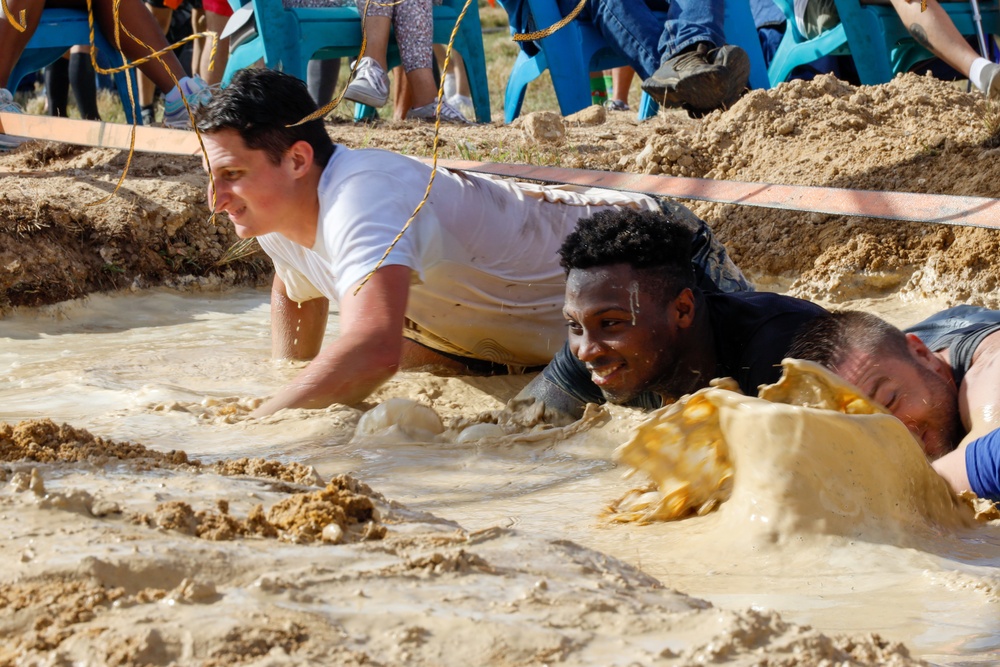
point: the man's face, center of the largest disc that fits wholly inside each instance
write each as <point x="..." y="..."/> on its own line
<point x="250" y="188"/>
<point x="625" y="335"/>
<point x="914" y="390"/>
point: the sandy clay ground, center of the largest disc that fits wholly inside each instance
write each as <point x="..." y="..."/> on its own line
<point x="119" y="554"/>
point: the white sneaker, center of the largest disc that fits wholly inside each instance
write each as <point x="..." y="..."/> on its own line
<point x="7" y="105"/>
<point x="464" y="105"/>
<point x="370" y="84"/>
<point x="196" y="91"/>
<point x="449" y="114"/>
<point x="991" y="77"/>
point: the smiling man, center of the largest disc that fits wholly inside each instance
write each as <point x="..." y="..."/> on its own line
<point x="646" y="326"/>
<point x="473" y="287"/>
<point x="938" y="377"/>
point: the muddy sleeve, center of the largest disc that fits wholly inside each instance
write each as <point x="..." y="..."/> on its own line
<point x="570" y="375"/>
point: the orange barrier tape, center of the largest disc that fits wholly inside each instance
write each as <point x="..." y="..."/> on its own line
<point x="905" y="206"/>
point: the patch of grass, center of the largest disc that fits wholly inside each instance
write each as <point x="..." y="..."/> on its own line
<point x="990" y="117"/>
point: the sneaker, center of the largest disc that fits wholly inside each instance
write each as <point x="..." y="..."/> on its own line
<point x="7" y="105"/>
<point x="370" y="84"/>
<point x="991" y="77"/>
<point x="197" y="93"/>
<point x="689" y="78"/>
<point x="148" y="114"/>
<point x="464" y="105"/>
<point x="449" y="114"/>
<point x="616" y="105"/>
<point x="737" y="64"/>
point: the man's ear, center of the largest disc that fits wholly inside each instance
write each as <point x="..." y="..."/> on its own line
<point x="684" y="307"/>
<point x="300" y="158"/>
<point x="926" y="357"/>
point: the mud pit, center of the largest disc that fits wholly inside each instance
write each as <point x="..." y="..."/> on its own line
<point x="494" y="552"/>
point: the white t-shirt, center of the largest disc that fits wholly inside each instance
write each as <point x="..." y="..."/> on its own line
<point x="484" y="252"/>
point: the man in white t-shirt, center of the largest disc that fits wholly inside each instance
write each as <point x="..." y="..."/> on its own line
<point x="473" y="286"/>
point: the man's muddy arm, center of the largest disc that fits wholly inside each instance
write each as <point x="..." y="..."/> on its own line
<point x="366" y="353"/>
<point x="979" y="405"/>
<point x="952" y="468"/>
<point x="296" y="329"/>
<point x="979" y="394"/>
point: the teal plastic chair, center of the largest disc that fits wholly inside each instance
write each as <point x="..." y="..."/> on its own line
<point x="796" y="49"/>
<point x="872" y="33"/>
<point x="571" y="53"/>
<point x="288" y="38"/>
<point x="60" y="29"/>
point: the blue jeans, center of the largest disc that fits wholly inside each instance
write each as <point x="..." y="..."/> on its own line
<point x="648" y="32"/>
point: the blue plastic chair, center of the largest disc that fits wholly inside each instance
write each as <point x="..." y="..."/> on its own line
<point x="873" y="34"/>
<point x="61" y="29"/>
<point x="796" y="49"/>
<point x="571" y="53"/>
<point x="288" y="38"/>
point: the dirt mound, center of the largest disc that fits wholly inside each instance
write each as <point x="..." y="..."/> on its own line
<point x="915" y="134"/>
<point x="342" y="512"/>
<point x="44" y="441"/>
<point x="58" y="242"/>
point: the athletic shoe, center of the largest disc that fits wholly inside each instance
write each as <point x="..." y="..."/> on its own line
<point x="7" y="105"/>
<point x="737" y="64"/>
<point x="370" y="84"/>
<point x="449" y="114"/>
<point x="991" y="77"/>
<point x="616" y="105"/>
<point x="197" y="93"/>
<point x="689" y="78"/>
<point x="464" y="105"/>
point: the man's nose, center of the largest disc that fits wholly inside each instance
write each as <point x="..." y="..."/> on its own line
<point x="218" y="196"/>
<point x="588" y="347"/>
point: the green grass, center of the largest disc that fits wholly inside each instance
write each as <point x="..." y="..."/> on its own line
<point x="990" y="116"/>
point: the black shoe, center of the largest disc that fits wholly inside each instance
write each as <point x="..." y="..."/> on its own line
<point x="737" y="62"/>
<point x="689" y="79"/>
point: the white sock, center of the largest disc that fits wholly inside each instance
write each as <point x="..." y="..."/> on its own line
<point x="976" y="73"/>
<point x="450" y="85"/>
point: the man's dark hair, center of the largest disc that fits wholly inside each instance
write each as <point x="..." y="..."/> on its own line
<point x="648" y="241"/>
<point x="260" y="104"/>
<point x="829" y="338"/>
